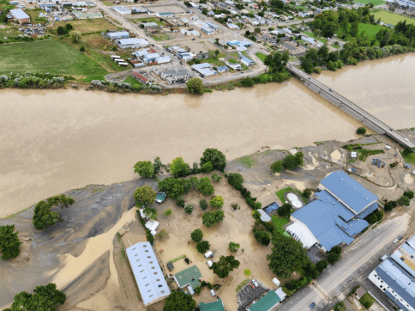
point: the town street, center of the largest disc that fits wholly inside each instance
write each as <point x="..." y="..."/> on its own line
<point x="354" y="262"/>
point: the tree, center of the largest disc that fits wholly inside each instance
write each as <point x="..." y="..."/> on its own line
<point x="144" y="196"/>
<point x="168" y="212"/>
<point x="403" y="201"/>
<point x="61" y="31"/>
<point x="289" y="162"/>
<point x="180" y="202"/>
<point x="150" y="212"/>
<point x="236" y="180"/>
<point x="247" y="82"/>
<point x="311" y="270"/>
<point x="211" y="218"/>
<point x="299" y="159"/>
<point x="361" y="130"/>
<point x="173" y="187"/>
<point x="284" y="211"/>
<point x="45" y="298"/>
<point x="390" y="205"/>
<point x="321" y="265"/>
<point x="69" y="26"/>
<point x="75" y="36"/>
<point x="82" y="49"/>
<point x="336" y="249"/>
<point x="307" y="192"/>
<point x="179" y="168"/>
<point x="262" y="237"/>
<point x="203" y="204"/>
<point x="43" y="215"/>
<point x="195" y="86"/>
<point x="276" y="166"/>
<point x="189" y="208"/>
<point x="233" y="246"/>
<point x="157" y="165"/>
<point x="288" y="255"/>
<point x="225" y="265"/>
<point x="144" y="168"/>
<point x="276" y="61"/>
<point x="217" y="202"/>
<point x="333" y="257"/>
<point x="375" y="216"/>
<point x="256" y="214"/>
<point x="407" y="151"/>
<point x="409" y="194"/>
<point x="217" y="52"/>
<point x="205" y="186"/>
<point x="216" y="177"/>
<point x="197" y="235"/>
<point x="9" y="242"/>
<point x="215" y="157"/>
<point x="203" y="246"/>
<point x="179" y="301"/>
<point x="207" y="167"/>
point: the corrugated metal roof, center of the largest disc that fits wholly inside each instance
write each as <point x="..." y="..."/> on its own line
<point x="147" y="272"/>
<point x="352" y="193"/>
<point x="133" y="41"/>
<point x="411" y="242"/>
<point x="189" y="276"/>
<point x="266" y="302"/>
<point x="272" y="207"/>
<point x="19" y="14"/>
<point x="212" y="306"/>
<point x="264" y="216"/>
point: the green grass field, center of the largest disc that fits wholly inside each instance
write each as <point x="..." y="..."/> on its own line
<point x="375" y="2"/>
<point x="409" y="159"/>
<point x="370" y="29"/>
<point x="45" y="56"/>
<point x="132" y="81"/>
<point x="279" y="222"/>
<point x="392" y="18"/>
<point x="367" y="300"/>
<point x="282" y="192"/>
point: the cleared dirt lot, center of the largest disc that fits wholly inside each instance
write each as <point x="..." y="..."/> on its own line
<point x="236" y="227"/>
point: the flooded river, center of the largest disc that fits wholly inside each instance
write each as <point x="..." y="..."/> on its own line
<point x="52" y="141"/>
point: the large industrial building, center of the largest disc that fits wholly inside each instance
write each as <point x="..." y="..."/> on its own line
<point x="336" y="215"/>
<point x="395" y="276"/>
<point x="147" y="273"/>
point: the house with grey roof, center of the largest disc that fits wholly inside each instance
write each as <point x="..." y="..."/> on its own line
<point x="337" y="214"/>
<point x="395" y="276"/>
<point x="147" y="273"/>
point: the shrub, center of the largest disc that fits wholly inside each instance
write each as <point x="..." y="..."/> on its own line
<point x="195" y="86"/>
<point x="375" y="216"/>
<point x="403" y="201"/>
<point x="276" y="166"/>
<point x="333" y="257"/>
<point x="361" y="131"/>
<point x="217" y="202"/>
<point x="203" y="246"/>
<point x="234" y="206"/>
<point x="233" y="246"/>
<point x="236" y="180"/>
<point x="390" y="205"/>
<point x="189" y="208"/>
<point x="144" y="168"/>
<point x="180" y="201"/>
<point x="82" y="49"/>
<point x="197" y="290"/>
<point x="256" y="215"/>
<point x="336" y="249"/>
<point x="409" y="194"/>
<point x="203" y="204"/>
<point x="205" y="186"/>
<point x="307" y="192"/>
<point x="262" y="237"/>
<point x="212" y="218"/>
<point x="197" y="235"/>
<point x="207" y="167"/>
<point x="216" y="177"/>
<point x="149" y="237"/>
<point x="247" y="82"/>
<point x="321" y="265"/>
<point x="257" y="206"/>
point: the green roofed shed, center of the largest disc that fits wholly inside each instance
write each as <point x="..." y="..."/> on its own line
<point x="188" y="276"/>
<point x="266" y="302"/>
<point x="212" y="306"/>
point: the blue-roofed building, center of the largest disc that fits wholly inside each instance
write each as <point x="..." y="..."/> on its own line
<point x="272" y="208"/>
<point x="20" y="16"/>
<point x="395" y="276"/>
<point x="333" y="218"/>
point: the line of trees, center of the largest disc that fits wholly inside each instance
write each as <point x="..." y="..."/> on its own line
<point x="290" y="162"/>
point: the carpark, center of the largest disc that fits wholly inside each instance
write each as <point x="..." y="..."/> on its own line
<point x="247" y="295"/>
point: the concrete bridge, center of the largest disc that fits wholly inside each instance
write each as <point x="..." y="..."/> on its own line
<point x="356" y="112"/>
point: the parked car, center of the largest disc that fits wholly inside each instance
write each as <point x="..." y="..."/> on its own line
<point x="255" y="283"/>
<point x="252" y="286"/>
<point x="395" y="241"/>
<point x="312" y="305"/>
<point x="209" y="254"/>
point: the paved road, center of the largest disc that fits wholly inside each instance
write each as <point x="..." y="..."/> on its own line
<point x="358" y="257"/>
<point x="343" y="101"/>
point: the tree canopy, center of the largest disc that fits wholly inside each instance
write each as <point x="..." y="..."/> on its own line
<point x="172" y="186"/>
<point x="197" y="235"/>
<point x="361" y="130"/>
<point x="9" y="242"/>
<point x="205" y="186"/>
<point x="288" y="255"/>
<point x="277" y="61"/>
<point x="215" y="157"/>
<point x="43" y="215"/>
<point x="195" y="86"/>
<point x="211" y="218"/>
<point x="144" y="196"/>
<point x="189" y="208"/>
<point x="225" y="265"/>
<point x="179" y="168"/>
<point x="179" y="301"/>
<point x="277" y="166"/>
<point x="236" y="180"/>
<point x="207" y="167"/>
<point x="45" y="298"/>
<point x="284" y="210"/>
<point x="144" y="168"/>
<point x="233" y="246"/>
<point x="217" y="202"/>
<point x="203" y="204"/>
<point x="203" y="246"/>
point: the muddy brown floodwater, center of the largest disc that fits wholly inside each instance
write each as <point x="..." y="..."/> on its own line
<point x="55" y="140"/>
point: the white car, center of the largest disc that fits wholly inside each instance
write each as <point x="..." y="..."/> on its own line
<point x="395" y="241"/>
<point x="255" y="283"/>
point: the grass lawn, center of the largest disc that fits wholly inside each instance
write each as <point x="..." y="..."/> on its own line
<point x="409" y="159"/>
<point x="261" y="56"/>
<point x="45" y="56"/>
<point x="392" y="18"/>
<point x="375" y="2"/>
<point x="247" y="161"/>
<point x="310" y="34"/>
<point x="279" y="222"/>
<point x="132" y="81"/>
<point x="370" y="29"/>
<point x="367" y="301"/>
<point x="160" y="37"/>
<point x="87" y="26"/>
<point x="281" y="193"/>
<point x="150" y="19"/>
<point x="96" y="41"/>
